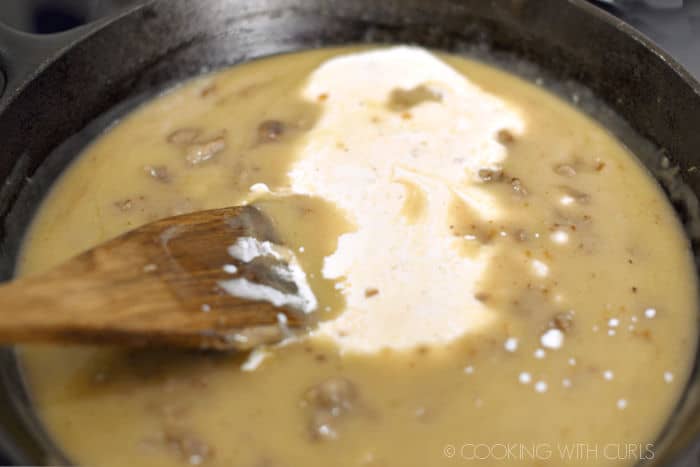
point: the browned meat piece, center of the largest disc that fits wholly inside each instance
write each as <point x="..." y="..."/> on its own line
<point x="270" y="131"/>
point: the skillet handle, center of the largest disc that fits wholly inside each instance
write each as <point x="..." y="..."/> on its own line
<point x="23" y="55"/>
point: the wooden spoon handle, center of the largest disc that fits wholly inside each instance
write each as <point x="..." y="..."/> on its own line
<point x="68" y="306"/>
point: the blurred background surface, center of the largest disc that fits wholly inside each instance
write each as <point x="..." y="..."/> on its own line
<point x="47" y="16"/>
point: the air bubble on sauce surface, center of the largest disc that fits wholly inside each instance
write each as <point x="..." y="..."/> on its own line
<point x="524" y="378"/>
<point x="552" y="339"/>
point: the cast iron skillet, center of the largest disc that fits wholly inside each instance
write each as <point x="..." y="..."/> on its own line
<point x="55" y="86"/>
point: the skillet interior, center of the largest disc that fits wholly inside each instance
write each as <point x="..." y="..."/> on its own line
<point x="169" y="40"/>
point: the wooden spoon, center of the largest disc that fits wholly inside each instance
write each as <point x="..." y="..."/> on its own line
<point x="163" y="284"/>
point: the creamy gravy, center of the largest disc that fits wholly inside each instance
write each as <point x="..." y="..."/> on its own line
<point x="490" y="266"/>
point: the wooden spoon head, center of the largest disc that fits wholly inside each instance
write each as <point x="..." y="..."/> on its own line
<point x="214" y="279"/>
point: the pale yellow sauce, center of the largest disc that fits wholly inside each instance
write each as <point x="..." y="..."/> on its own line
<point x="448" y="267"/>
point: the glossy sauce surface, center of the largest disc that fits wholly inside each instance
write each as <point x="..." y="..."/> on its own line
<point x="492" y="267"/>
